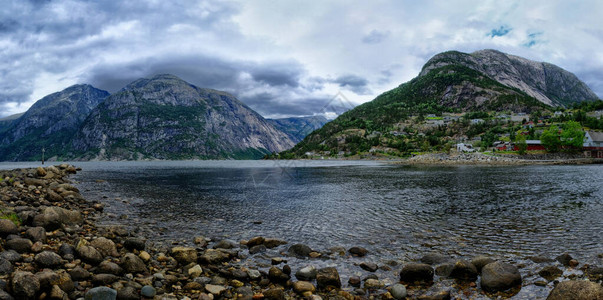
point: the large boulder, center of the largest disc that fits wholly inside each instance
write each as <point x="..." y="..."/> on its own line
<point x="358" y="251"/>
<point x="7" y="227"/>
<point x="101" y="293"/>
<point x="499" y="277"/>
<point x="463" y="270"/>
<point x="307" y="273"/>
<point x="47" y="259"/>
<point x="277" y="275"/>
<point x="212" y="256"/>
<point x="416" y="272"/>
<point x="133" y="264"/>
<point x="36" y="234"/>
<point x="434" y="258"/>
<point x="480" y="261"/>
<point x="576" y="290"/>
<point x="328" y="277"/>
<point x="299" y="250"/>
<point x="87" y="253"/>
<point x="184" y="255"/>
<point x="25" y="285"/>
<point x="105" y="246"/>
<point x="550" y="273"/>
<point x="54" y="217"/>
<point x="20" y="245"/>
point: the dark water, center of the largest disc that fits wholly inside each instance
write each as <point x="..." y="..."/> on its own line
<point x="392" y="210"/>
<point x="396" y="212"/>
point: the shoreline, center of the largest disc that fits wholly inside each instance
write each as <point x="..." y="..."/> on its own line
<point x="60" y="251"/>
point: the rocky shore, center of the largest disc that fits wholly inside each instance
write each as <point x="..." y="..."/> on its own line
<point x="495" y="159"/>
<point x="52" y="248"/>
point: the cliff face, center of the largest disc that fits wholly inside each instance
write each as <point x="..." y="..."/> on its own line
<point x="546" y="82"/>
<point x="165" y="117"/>
<point x="50" y="123"/>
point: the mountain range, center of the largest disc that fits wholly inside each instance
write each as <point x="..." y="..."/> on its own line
<point x="162" y="117"/>
<point x="450" y="82"/>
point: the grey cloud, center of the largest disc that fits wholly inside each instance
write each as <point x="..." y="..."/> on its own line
<point x="355" y="83"/>
<point x="269" y="105"/>
<point x="375" y="37"/>
<point x="283" y="74"/>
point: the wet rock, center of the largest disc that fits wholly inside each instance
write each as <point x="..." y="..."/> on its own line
<point x="564" y="259"/>
<point x="10" y="255"/>
<point x="53" y="196"/>
<point x="444" y="270"/>
<point x="225" y="244"/>
<point x="301" y="287"/>
<point x="257" y="249"/>
<point x="184" y="255"/>
<point x="255" y="241"/>
<point x="416" y="272"/>
<point x="66" y="249"/>
<point x="480" y="261"/>
<point x="214" y="289"/>
<point x="105" y="246"/>
<point x="307" y="273"/>
<point x="109" y="268"/>
<point x="128" y="293"/>
<point x="434" y="258"/>
<point x="595" y="273"/>
<point x="133" y="264"/>
<point x="5" y="267"/>
<point x="254" y="274"/>
<point x="7" y="227"/>
<point x="20" y="245"/>
<point x="576" y="290"/>
<point x="25" y="285"/>
<point x="274" y="294"/>
<point x="273" y="243"/>
<point x="287" y="269"/>
<point x="276" y="275"/>
<point x="369" y="266"/>
<point x="200" y="241"/>
<point x="104" y="279"/>
<point x="326" y="277"/>
<point x="358" y="251"/>
<point x="47" y="278"/>
<point x="550" y="273"/>
<point x="373" y="284"/>
<point x="277" y="261"/>
<point x="47" y="259"/>
<point x="499" y="277"/>
<point x="101" y="293"/>
<point x="573" y="263"/>
<point x="78" y="273"/>
<point x="148" y="291"/>
<point x="299" y="250"/>
<point x="398" y="291"/>
<point x="244" y="293"/>
<point x="54" y="217"/>
<point x="135" y="244"/>
<point x="463" y="270"/>
<point x="36" y="234"/>
<point x="5" y="296"/>
<point x="88" y="254"/>
<point x="57" y="293"/>
<point x="354" y="281"/>
<point x="212" y="257"/>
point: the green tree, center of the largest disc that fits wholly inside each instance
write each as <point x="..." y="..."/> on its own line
<point x="520" y="142"/>
<point x="572" y="136"/>
<point x="550" y="139"/>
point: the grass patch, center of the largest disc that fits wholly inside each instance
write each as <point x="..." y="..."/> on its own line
<point x="11" y="216"/>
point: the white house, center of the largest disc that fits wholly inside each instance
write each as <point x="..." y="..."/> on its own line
<point x="461" y="147"/>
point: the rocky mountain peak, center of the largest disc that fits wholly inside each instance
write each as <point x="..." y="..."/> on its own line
<point x="545" y="82"/>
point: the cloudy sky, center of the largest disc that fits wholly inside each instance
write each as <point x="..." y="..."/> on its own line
<point x="282" y="58"/>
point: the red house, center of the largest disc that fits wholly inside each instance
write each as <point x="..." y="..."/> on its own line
<point x="533" y="145"/>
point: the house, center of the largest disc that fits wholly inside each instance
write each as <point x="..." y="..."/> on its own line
<point x="477" y="121"/>
<point x="593" y="144"/>
<point x="533" y="145"/>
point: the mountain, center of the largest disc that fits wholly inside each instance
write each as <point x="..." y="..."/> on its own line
<point x="450" y="82"/>
<point x="7" y="121"/>
<point x="50" y="123"/>
<point x="164" y="117"/>
<point x="546" y="82"/>
<point x="298" y="128"/>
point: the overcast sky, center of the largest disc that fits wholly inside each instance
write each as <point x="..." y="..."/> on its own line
<point x="282" y="58"/>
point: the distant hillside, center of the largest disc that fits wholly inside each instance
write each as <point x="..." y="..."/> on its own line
<point x="50" y="123"/>
<point x="298" y="128"/>
<point x="164" y="117"/>
<point x="6" y="121"/>
<point x="450" y="82"/>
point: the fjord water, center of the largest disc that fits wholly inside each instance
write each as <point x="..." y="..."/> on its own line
<point x="398" y="212"/>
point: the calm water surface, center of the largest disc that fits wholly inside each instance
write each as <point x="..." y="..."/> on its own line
<point x="397" y="212"/>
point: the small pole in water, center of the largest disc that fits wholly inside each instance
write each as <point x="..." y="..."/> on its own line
<point x="43" y="150"/>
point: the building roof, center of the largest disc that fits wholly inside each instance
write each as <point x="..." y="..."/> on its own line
<point x="597" y="136"/>
<point x="533" y="142"/>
